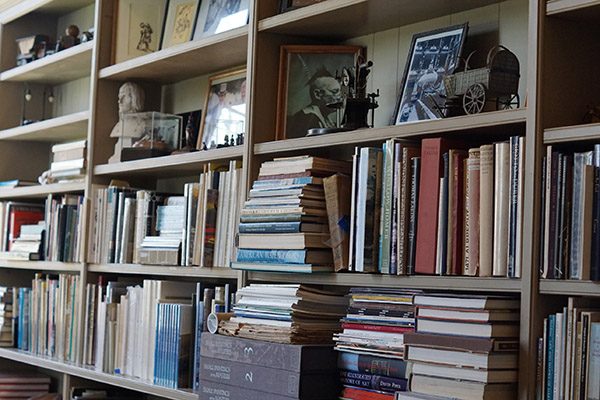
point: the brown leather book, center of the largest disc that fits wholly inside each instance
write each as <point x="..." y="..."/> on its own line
<point x="337" y="199"/>
<point x="471" y="261"/>
<point x="455" y="212"/>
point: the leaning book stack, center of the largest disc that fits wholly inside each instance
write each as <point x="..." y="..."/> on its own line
<point x="464" y="347"/>
<point x="7" y="329"/>
<point x="283" y="226"/>
<point x="371" y="345"/>
<point x="68" y="162"/>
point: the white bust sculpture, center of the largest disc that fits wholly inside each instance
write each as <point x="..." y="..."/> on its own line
<point x="131" y="100"/>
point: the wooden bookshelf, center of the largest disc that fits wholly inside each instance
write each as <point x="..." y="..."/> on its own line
<point x="46" y="266"/>
<point x="570" y="287"/>
<point x="155" y="270"/>
<point x="64" y="66"/>
<point x="186" y="60"/>
<point x="556" y="7"/>
<point x="59" y="129"/>
<point x="173" y="165"/>
<point x="42" y="6"/>
<point x="573" y="133"/>
<point x="41" y="191"/>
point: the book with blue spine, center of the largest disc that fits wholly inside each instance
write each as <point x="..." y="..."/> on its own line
<point x="285" y="256"/>
<point x="281" y="227"/>
<point x="550" y="357"/>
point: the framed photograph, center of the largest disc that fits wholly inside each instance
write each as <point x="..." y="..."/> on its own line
<point x="433" y="56"/>
<point x="309" y="79"/>
<point x="288" y="5"/>
<point x="225" y="109"/>
<point x="218" y="16"/>
<point x="191" y="128"/>
<point x="138" y="28"/>
<point x="179" y="22"/>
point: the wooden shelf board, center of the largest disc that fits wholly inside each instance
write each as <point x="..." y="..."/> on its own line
<point x="64" y="66"/>
<point x="41" y="191"/>
<point x="59" y="129"/>
<point x="56" y="7"/>
<point x="344" y="19"/>
<point x="91" y="374"/>
<point x="555" y="7"/>
<point x="572" y="133"/>
<point x="190" y="163"/>
<point x="192" y="272"/>
<point x="187" y="60"/>
<point x="569" y="287"/>
<point x="468" y="124"/>
<point x="42" y="265"/>
<point x="456" y="283"/>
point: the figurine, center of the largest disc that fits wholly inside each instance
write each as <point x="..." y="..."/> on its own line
<point x="145" y="37"/>
<point x="87" y="36"/>
<point x="70" y="39"/>
<point x="240" y="139"/>
<point x="131" y="100"/>
<point x="232" y="141"/>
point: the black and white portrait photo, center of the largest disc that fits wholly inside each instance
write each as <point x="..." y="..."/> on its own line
<point x="433" y="56"/>
<point x="218" y="16"/>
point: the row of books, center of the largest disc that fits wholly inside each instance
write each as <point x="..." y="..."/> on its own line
<point x="570" y="215"/>
<point x="146" y="227"/>
<point x="437" y="207"/>
<point x="569" y="353"/>
<point x="6" y="317"/>
<point x="149" y="331"/>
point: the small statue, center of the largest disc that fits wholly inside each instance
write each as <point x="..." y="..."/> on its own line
<point x="87" y="36"/>
<point x="232" y="141"/>
<point x="131" y="100"/>
<point x="70" y="39"/>
<point x="240" y="139"/>
<point x="225" y="142"/>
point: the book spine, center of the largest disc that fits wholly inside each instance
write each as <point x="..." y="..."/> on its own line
<point x="367" y="364"/>
<point x="595" y="267"/>
<point x="385" y="218"/>
<point x="472" y="214"/>
<point x="501" y="204"/>
<point x="353" y="208"/>
<point x="456" y="212"/>
<point x="288" y="227"/>
<point x="373" y="382"/>
<point x="576" y="227"/>
<point x="413" y="215"/>
<point x="542" y="217"/>
<point x="551" y="355"/>
<point x="592" y="388"/>
<point x="513" y="205"/>
<point x="396" y="199"/>
<point x="272" y="256"/>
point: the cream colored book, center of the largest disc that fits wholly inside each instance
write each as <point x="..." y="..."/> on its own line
<point x="501" y="204"/>
<point x="486" y="209"/>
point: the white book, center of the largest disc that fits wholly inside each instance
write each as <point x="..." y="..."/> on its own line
<point x="100" y="336"/>
<point x="520" y="203"/>
<point x="69" y="146"/>
<point x="67" y="165"/>
<point x="501" y="206"/>
<point x="440" y="232"/>
<point x="593" y="371"/>
<point x="351" y="249"/>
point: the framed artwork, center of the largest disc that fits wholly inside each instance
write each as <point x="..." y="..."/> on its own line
<point x="309" y="79"/>
<point x="218" y="16"/>
<point x="191" y="128"/>
<point x="179" y="22"/>
<point x="288" y="5"/>
<point x="433" y="56"/>
<point x="138" y="29"/>
<point x="225" y="109"/>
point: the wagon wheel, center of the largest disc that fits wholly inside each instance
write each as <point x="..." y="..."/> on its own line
<point x="509" y="102"/>
<point x="474" y="99"/>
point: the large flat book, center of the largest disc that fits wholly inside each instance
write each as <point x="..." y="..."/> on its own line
<point x="318" y="257"/>
<point x="462" y="389"/>
<point x="460" y="343"/>
<point x="218" y="391"/>
<point x="271" y="380"/>
<point x="292" y="241"/>
<point x="488" y="330"/>
<point x="462" y="359"/>
<point x="293" y="165"/>
<point x="432" y="151"/>
<point x="465" y="373"/>
<point x="272" y="267"/>
<point x="467" y="301"/>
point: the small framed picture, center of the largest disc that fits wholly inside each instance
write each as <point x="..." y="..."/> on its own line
<point x="225" y="110"/>
<point x="218" y="16"/>
<point x="309" y="80"/>
<point x="433" y="56"/>
<point x="288" y="5"/>
<point x="191" y="128"/>
<point x="179" y="22"/>
<point x="138" y="28"/>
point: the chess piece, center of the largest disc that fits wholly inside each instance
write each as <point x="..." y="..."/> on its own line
<point x="131" y="100"/>
<point x="232" y="141"/>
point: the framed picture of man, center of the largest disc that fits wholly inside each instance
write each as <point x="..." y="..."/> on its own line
<point x="309" y="84"/>
<point x="218" y="16"/>
<point x="433" y="56"/>
<point x="225" y="110"/>
<point x="179" y="22"/>
<point x="138" y="28"/>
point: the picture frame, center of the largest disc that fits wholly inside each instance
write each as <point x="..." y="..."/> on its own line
<point x="433" y="55"/>
<point x="191" y="128"/>
<point x="308" y="78"/>
<point x="224" y="109"/>
<point x="138" y="28"/>
<point x="180" y="22"/>
<point x="218" y="16"/>
<point x="289" y="5"/>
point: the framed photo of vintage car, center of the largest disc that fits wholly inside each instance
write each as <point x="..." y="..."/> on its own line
<point x="309" y="80"/>
<point x="225" y="110"/>
<point x="180" y="22"/>
<point x="138" y="28"/>
<point x="433" y="56"/>
<point x="218" y="16"/>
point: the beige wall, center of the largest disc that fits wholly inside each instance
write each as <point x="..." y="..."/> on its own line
<point x="185" y="96"/>
<point x="83" y="18"/>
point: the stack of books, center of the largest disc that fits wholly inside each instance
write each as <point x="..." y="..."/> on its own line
<point x="570" y="215"/>
<point x="68" y="162"/>
<point x="145" y="227"/>
<point x="371" y="346"/>
<point x="266" y="371"/>
<point x="464" y="347"/>
<point x="6" y="317"/>
<point x="569" y="353"/>
<point x="438" y="208"/>
<point x="13" y="215"/>
<point x="28" y="246"/>
<point x="22" y="385"/>
<point x="291" y="313"/>
<point x="284" y="225"/>
<point x="64" y="219"/>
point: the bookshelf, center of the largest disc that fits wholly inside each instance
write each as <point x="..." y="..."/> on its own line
<point x="556" y="81"/>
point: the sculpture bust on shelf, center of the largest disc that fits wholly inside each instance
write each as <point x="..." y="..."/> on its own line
<point x="131" y="100"/>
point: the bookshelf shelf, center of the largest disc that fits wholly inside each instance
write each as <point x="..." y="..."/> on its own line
<point x="64" y="128"/>
<point x="173" y="165"/>
<point x="187" y="272"/>
<point x="93" y="375"/>
<point x="43" y="6"/>
<point x="42" y="265"/>
<point x="64" y="66"/>
<point x="570" y="287"/>
<point x="492" y="122"/>
<point x="218" y="52"/>
<point x="41" y="191"/>
<point x="572" y="133"/>
<point x="351" y="18"/>
<point x="374" y="280"/>
<point x="554" y="7"/>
